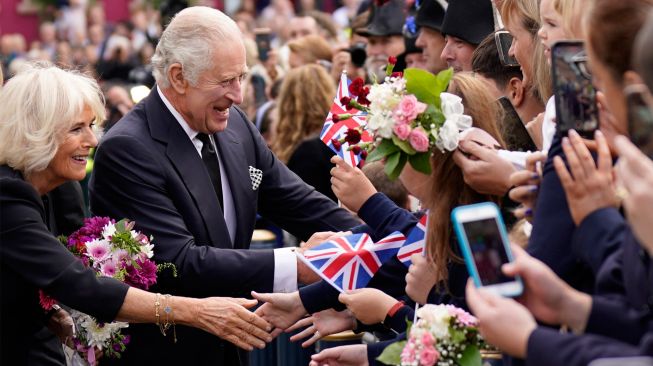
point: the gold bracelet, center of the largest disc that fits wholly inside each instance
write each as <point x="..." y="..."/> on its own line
<point x="157" y="303"/>
<point x="170" y="315"/>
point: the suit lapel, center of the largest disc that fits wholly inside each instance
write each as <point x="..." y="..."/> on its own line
<point x="187" y="162"/>
<point x="237" y="171"/>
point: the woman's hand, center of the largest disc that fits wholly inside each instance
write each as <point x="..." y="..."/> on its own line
<point x="483" y="169"/>
<point x="62" y="325"/>
<point x="322" y="324"/>
<point x="368" y="305"/>
<point x="350" y="185"/>
<point x="589" y="186"/>
<point x="229" y="319"/>
<point x="353" y="355"/>
<point x="420" y="278"/>
<point x="526" y="185"/>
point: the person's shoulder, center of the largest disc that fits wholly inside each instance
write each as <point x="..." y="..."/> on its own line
<point x="13" y="185"/>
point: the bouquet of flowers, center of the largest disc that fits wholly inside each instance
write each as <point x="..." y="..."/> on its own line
<point x="407" y="114"/>
<point x="112" y="249"/>
<point x="443" y="335"/>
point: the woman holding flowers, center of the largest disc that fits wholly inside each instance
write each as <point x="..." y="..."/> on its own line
<point x="46" y="133"/>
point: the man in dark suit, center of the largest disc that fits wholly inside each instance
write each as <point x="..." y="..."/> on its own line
<point x="192" y="171"/>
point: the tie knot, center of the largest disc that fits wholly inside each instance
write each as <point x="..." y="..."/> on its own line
<point x="203" y="137"/>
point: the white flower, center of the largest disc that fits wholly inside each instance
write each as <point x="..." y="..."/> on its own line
<point x="448" y="136"/>
<point x="381" y="123"/>
<point x="383" y="98"/>
<point x="95" y="334"/>
<point x="148" y="250"/>
<point x="108" y="230"/>
<point x="436" y="319"/>
<point x="451" y="104"/>
<point x="455" y="121"/>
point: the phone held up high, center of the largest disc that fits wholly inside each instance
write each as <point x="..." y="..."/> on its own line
<point x="484" y="242"/>
<point x="575" y="95"/>
<point x="640" y="117"/>
<point x="263" y="37"/>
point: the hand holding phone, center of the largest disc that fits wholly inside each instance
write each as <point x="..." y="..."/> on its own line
<point x="484" y="242"/>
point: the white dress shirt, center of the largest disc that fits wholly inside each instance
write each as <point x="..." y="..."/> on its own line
<point x="285" y="260"/>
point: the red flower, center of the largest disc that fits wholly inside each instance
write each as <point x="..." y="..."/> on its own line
<point x="364" y="154"/>
<point x="345" y="101"/>
<point x="380" y="2"/>
<point x="362" y="98"/>
<point x="356" y="149"/>
<point x="353" y="136"/>
<point x="46" y="301"/>
<point x="335" y="117"/>
<point x="356" y="86"/>
<point x="397" y="74"/>
<point x="392" y="60"/>
<point x="336" y="143"/>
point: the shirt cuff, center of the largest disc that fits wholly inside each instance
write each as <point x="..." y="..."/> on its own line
<point x="285" y="270"/>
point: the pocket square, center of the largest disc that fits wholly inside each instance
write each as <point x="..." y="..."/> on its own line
<point x="256" y="175"/>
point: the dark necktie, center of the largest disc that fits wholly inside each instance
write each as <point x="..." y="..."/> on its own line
<point x="212" y="164"/>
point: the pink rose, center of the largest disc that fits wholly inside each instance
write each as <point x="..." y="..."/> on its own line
<point x="402" y="130"/>
<point x="409" y="108"/>
<point x="427" y="339"/>
<point x="419" y="140"/>
<point x="408" y="353"/>
<point x="428" y="356"/>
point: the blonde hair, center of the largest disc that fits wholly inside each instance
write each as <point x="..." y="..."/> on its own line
<point x="303" y="104"/>
<point x="448" y="187"/>
<point x="571" y="12"/>
<point x="312" y="48"/>
<point x="527" y="12"/>
<point x="39" y="105"/>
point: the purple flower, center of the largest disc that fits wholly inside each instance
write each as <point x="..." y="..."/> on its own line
<point x="126" y="339"/>
<point x="142" y="277"/>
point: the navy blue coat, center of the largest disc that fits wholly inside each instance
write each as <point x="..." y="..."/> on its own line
<point x="148" y="170"/>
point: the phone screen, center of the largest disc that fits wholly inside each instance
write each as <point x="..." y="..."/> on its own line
<point x="640" y="120"/>
<point x="504" y="41"/>
<point x="575" y="95"/>
<point x="487" y="249"/>
<point x="513" y="130"/>
<point x="262" y="43"/>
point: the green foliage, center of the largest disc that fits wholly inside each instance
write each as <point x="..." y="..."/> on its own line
<point x="471" y="357"/>
<point x="167" y="266"/>
<point x="391" y="355"/>
<point x="403" y="145"/>
<point x="426" y="86"/>
<point x="395" y="164"/>
<point x="385" y="148"/>
<point x="421" y="162"/>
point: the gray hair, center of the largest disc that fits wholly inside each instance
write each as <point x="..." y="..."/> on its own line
<point x="37" y="107"/>
<point x="190" y="40"/>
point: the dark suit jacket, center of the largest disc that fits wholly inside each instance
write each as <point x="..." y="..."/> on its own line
<point x="147" y="169"/>
<point x="32" y="259"/>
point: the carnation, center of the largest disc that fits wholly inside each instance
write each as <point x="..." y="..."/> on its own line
<point x="141" y="275"/>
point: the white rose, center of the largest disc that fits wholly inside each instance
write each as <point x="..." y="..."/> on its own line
<point x="448" y="136"/>
<point x="382" y="124"/>
<point x="451" y="104"/>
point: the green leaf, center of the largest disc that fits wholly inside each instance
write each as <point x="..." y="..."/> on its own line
<point x="421" y="162"/>
<point x="420" y="83"/>
<point x="471" y="357"/>
<point x="403" y="145"/>
<point x="391" y="355"/>
<point x="385" y="148"/>
<point x="395" y="164"/>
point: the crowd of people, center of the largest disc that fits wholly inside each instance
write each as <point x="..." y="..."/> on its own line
<point x="228" y="133"/>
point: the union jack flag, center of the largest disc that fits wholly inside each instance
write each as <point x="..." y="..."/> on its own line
<point x="349" y="262"/>
<point x="338" y="129"/>
<point x="415" y="242"/>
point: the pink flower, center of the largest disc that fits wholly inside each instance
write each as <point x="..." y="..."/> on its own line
<point x="402" y="130"/>
<point x="409" y="108"/>
<point x="427" y="339"/>
<point x="428" y="356"/>
<point x="419" y="140"/>
<point x="109" y="268"/>
<point x="97" y="249"/>
<point x="408" y="353"/>
<point x="462" y="316"/>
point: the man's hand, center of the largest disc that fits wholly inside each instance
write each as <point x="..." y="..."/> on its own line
<point x="502" y="322"/>
<point x="305" y="275"/>
<point x="483" y="169"/>
<point x="527" y="184"/>
<point x="229" y="319"/>
<point x="350" y="185"/>
<point x="322" y="324"/>
<point x="321" y="237"/>
<point x="635" y="172"/>
<point x="549" y="298"/>
<point x="420" y="278"/>
<point x="368" y="305"/>
<point x="353" y="355"/>
<point x="588" y="187"/>
<point x="281" y="310"/>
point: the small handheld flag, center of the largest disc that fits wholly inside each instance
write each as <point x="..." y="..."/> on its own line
<point x="349" y="262"/>
<point x="415" y="242"/>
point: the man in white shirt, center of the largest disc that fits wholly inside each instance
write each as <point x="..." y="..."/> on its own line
<point x="193" y="172"/>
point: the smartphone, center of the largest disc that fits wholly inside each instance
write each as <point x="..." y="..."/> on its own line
<point x="575" y="96"/>
<point x="263" y="38"/>
<point x="504" y="41"/>
<point x="484" y="242"/>
<point x="513" y="130"/>
<point x="640" y="117"/>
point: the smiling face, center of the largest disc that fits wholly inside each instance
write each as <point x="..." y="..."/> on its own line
<point x="69" y="163"/>
<point x="551" y="30"/>
<point x="522" y="47"/>
<point x="205" y="106"/>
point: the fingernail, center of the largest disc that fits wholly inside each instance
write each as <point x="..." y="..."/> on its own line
<point x="528" y="212"/>
<point x="534" y="188"/>
<point x="535" y="176"/>
<point x="573" y="133"/>
<point x="565" y="141"/>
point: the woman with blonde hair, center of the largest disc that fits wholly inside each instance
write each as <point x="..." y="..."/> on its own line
<point x="309" y="49"/>
<point x="47" y="118"/>
<point x="304" y="101"/>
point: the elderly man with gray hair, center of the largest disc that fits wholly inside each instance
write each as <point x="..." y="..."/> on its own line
<point x="192" y="171"/>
